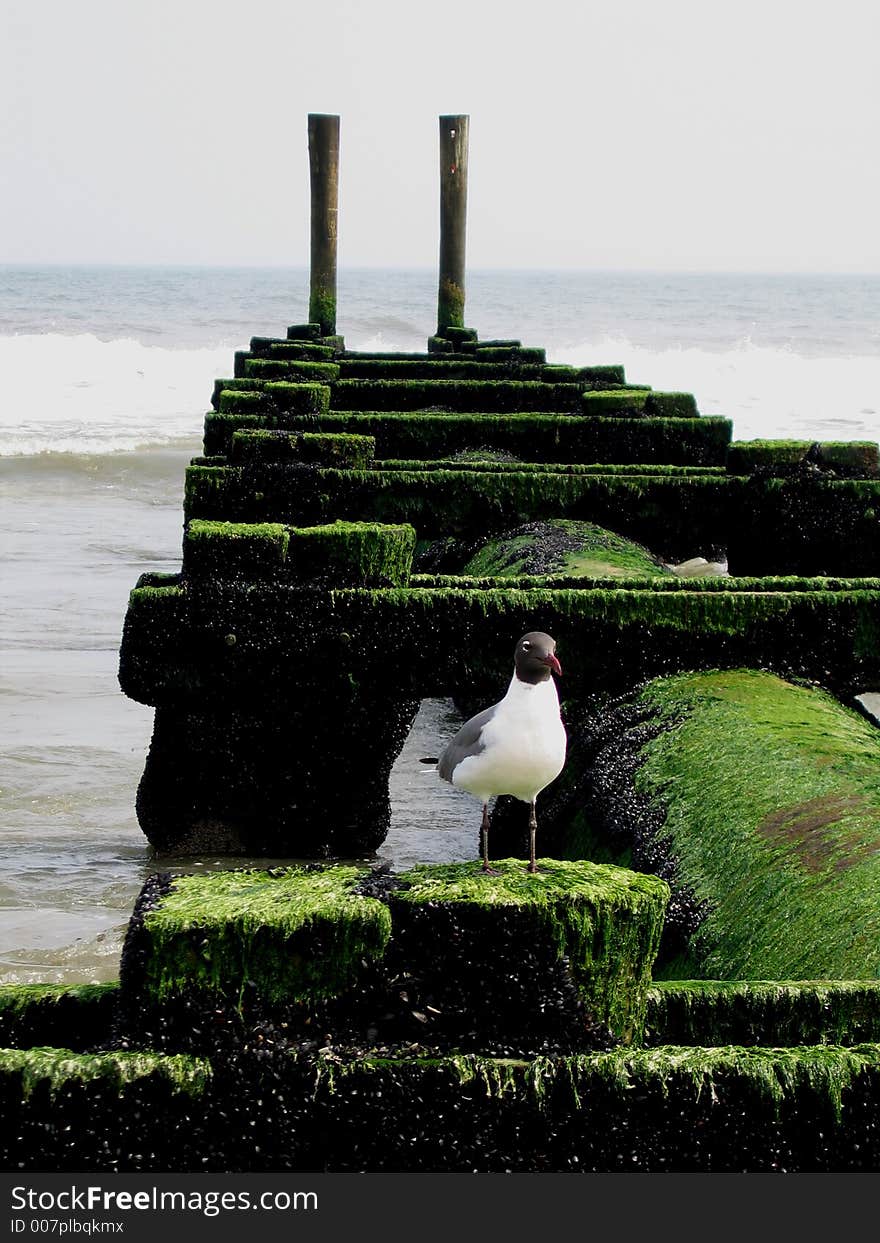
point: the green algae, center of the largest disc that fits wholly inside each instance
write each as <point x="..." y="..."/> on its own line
<point x="845" y="457"/>
<point x="489" y="396"/>
<point x="293" y="933"/>
<point x="17" y="999"/>
<point x="605" y="921"/>
<point x="535" y="436"/>
<point x="601" y="554"/>
<point x="614" y="402"/>
<point x="776" y="1079"/>
<point x="58" y="1069"/>
<point x="323" y="448"/>
<point x="291" y="369"/>
<point x="772" y="800"/>
<point x="763" y="1012"/>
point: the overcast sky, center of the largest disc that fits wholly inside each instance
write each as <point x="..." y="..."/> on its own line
<point x="622" y="134"/>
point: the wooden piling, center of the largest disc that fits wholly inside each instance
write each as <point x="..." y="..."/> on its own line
<point x="324" y="173"/>
<point x="453" y="221"/>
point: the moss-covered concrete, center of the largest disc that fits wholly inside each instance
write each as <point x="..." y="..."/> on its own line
<point x="768" y="526"/>
<point x="77" y="1016"/>
<point x="278" y="347"/>
<point x="602" y="923"/>
<point x="858" y="459"/>
<point x="726" y="1109"/>
<point x="763" y="798"/>
<point x="531" y="437"/>
<point x="445" y="955"/>
<point x="491" y="396"/>
<point x="54" y="1068"/>
<point x="311" y="331"/>
<point x="316" y="448"/>
<point x="573" y="549"/>
<point x="345" y="553"/>
<point x="276" y="397"/>
<point x="620" y="632"/>
<point x="763" y="1012"/>
<point x="288" y="935"/>
<point x="291" y="369"/>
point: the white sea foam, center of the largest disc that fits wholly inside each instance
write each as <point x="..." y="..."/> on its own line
<point x="771" y="393"/>
<point x="78" y="394"/>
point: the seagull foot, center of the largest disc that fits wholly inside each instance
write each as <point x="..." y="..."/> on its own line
<point x="533" y="867"/>
<point x="487" y="871"/>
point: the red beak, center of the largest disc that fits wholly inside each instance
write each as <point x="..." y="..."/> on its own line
<point x="554" y="664"/>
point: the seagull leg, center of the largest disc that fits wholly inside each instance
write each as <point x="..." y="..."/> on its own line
<point x="533" y="825"/>
<point x="484" y="838"/>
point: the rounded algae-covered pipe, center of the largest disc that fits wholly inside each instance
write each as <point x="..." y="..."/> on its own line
<point x="324" y="174"/>
<point x="453" y="221"/>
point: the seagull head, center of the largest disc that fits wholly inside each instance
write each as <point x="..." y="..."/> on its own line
<point x="535" y="657"/>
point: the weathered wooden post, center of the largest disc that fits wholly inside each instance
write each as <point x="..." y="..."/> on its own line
<point x="453" y="221"/>
<point x="324" y="173"/>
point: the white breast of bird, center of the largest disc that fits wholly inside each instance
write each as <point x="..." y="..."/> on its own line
<point x="524" y="745"/>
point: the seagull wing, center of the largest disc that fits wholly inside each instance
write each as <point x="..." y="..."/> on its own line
<point x="468" y="741"/>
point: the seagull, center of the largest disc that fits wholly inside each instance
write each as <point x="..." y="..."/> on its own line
<point x="517" y="746"/>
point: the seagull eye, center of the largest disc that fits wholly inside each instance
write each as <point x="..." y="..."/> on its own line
<point x="526" y="645"/>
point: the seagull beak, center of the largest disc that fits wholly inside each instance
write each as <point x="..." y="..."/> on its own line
<point x="554" y="664"/>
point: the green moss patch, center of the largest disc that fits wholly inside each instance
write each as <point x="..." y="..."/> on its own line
<point x="658" y="1110"/>
<point x="857" y="458"/>
<point x="771" y="794"/>
<point x="494" y="396"/>
<point x="56" y="1069"/>
<point x="603" y="922"/>
<point x="43" y="1014"/>
<point x="321" y="448"/>
<point x="575" y="549"/>
<point x="291" y="369"/>
<point x="638" y="403"/>
<point x="354" y="554"/>
<point x="763" y="1012"/>
<point x="531" y="437"/>
<point x="292" y="934"/>
<point x="276" y="396"/>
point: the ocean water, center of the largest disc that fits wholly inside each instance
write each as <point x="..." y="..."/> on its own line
<point x="107" y="373"/>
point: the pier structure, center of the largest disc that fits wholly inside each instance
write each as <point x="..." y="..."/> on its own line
<point x="690" y="980"/>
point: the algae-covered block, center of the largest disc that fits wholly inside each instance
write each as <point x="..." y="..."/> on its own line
<point x="457" y="334"/>
<point x="765" y="797"/>
<point x="304" y="332"/>
<point x="609" y="373"/>
<point x="274" y="347"/>
<point x="658" y="1110"/>
<point x="615" y="402"/>
<point x="848" y="459"/>
<point x="351" y="553"/>
<point x="763" y="1012"/>
<point x="489" y="396"/>
<point x="671" y="405"/>
<point x="291" y="369"/>
<point x="500" y="354"/>
<point x="285" y="937"/>
<point x="64" y="1110"/>
<point x="515" y="956"/>
<point x="241" y="401"/>
<point x="565" y="547"/>
<point x="312" y="399"/>
<point x="322" y="448"/>
<point x="251" y="550"/>
<point x="440" y="345"/>
<point x="744" y="457"/>
<point x="74" y="1015"/>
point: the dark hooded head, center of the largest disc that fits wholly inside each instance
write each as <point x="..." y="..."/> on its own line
<point x="535" y="657"/>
